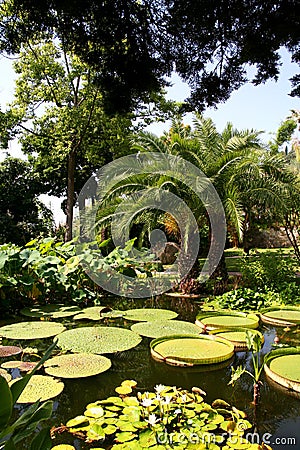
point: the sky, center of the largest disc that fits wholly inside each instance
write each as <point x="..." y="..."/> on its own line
<point x="261" y="107"/>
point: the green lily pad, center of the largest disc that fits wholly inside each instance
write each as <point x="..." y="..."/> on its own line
<point x="282" y="316"/>
<point x="41" y="388"/>
<point x="9" y="350"/>
<point x="98" y="340"/>
<point x="149" y="314"/>
<point x="63" y="447"/>
<point x="11" y="364"/>
<point x="237" y="336"/>
<point x="5" y="375"/>
<point x="229" y="319"/>
<point x="81" y="421"/>
<point x="287" y="366"/>
<point x="91" y="313"/>
<point x="160" y="328"/>
<point x="190" y="350"/>
<point x="54" y="311"/>
<point x="31" y="330"/>
<point x="79" y="365"/>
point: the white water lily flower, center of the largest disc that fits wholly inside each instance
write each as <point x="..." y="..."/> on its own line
<point x="184" y="398"/>
<point x="167" y="400"/>
<point x="147" y="402"/>
<point x="152" y="419"/>
<point x="159" y="388"/>
<point x="158" y="397"/>
<point x="177" y="411"/>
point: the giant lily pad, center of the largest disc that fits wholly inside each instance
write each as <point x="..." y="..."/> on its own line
<point x="98" y="340"/>
<point x="53" y="311"/>
<point x="283" y="367"/>
<point x="24" y="366"/>
<point x="91" y="313"/>
<point x="149" y="314"/>
<point x="237" y="336"/>
<point x="226" y="319"/>
<point x="9" y="350"/>
<point x="284" y="316"/>
<point x="41" y="388"/>
<point x="78" y="365"/>
<point x="191" y="350"/>
<point x="31" y="330"/>
<point x="160" y="328"/>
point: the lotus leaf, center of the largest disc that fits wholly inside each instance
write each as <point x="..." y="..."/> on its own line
<point x="98" y="340"/>
<point x="31" y="330"/>
<point x="9" y="350"/>
<point x="160" y="328"/>
<point x="5" y="375"/>
<point x="79" y="365"/>
<point x="149" y="314"/>
<point x="91" y="313"/>
<point x="41" y="388"/>
<point x="191" y="349"/>
<point x="54" y="311"/>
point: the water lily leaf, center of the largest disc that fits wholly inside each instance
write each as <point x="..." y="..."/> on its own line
<point x="125" y="426"/>
<point x="125" y="436"/>
<point x="160" y="328"/>
<point x="5" y="375"/>
<point x="31" y="330"/>
<point x="78" y="365"/>
<point x="110" y="429"/>
<point x="95" y="411"/>
<point x="229" y="319"/>
<point x="28" y="366"/>
<point x="123" y="390"/>
<point x="41" y="388"/>
<point x="96" y="432"/>
<point x="149" y="314"/>
<point x="11" y="364"/>
<point x="54" y="311"/>
<point x="91" y="313"/>
<point x="78" y="421"/>
<point x="63" y="447"/>
<point x="9" y="350"/>
<point x="147" y="438"/>
<point x="238" y="443"/>
<point x="130" y="383"/>
<point x="98" y="339"/>
<point x="131" y="401"/>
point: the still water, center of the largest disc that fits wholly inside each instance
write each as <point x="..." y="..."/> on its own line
<point x="277" y="417"/>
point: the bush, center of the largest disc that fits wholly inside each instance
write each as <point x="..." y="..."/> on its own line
<point x="245" y="299"/>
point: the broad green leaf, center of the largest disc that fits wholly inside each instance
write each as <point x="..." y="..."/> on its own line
<point x="6" y="403"/>
<point x="42" y="441"/>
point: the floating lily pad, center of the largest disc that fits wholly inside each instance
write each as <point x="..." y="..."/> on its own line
<point x="285" y="316"/>
<point x="79" y="365"/>
<point x="24" y="366"/>
<point x="149" y="314"/>
<point x="191" y="350"/>
<point x="160" y="328"/>
<point x="9" y="350"/>
<point x="5" y="375"/>
<point x="11" y="364"/>
<point x="237" y="336"/>
<point x="98" y="340"/>
<point x="54" y="311"/>
<point x="63" y="447"/>
<point x="91" y="313"/>
<point x="41" y="388"/>
<point x="227" y="319"/>
<point x="31" y="330"/>
<point x="283" y="367"/>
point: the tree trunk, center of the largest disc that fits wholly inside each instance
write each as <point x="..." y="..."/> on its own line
<point x="70" y="194"/>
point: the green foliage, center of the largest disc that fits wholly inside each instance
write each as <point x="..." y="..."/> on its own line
<point x="167" y="418"/>
<point x="14" y="432"/>
<point x="243" y="299"/>
<point x="269" y="272"/>
<point x="22" y="215"/>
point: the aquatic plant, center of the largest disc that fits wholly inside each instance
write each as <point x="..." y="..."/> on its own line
<point x="31" y="330"/>
<point x="9" y="350"/>
<point x="149" y="314"/>
<point x="160" y="328"/>
<point x="98" y="340"/>
<point x="40" y="388"/>
<point x="77" y="365"/>
<point x="283" y="367"/>
<point x="237" y="336"/>
<point x="53" y="311"/>
<point x="167" y="418"/>
<point x="281" y="316"/>
<point x="226" y="319"/>
<point x="5" y="374"/>
<point x="189" y="350"/>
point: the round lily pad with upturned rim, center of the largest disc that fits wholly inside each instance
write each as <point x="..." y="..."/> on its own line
<point x="237" y="336"/>
<point x="98" y="340"/>
<point x="226" y="319"/>
<point x="78" y="365"/>
<point x="41" y="388"/>
<point x="160" y="328"/>
<point x="191" y="350"/>
<point x="149" y="314"/>
<point x="281" y="316"/>
<point x="54" y="311"/>
<point x="31" y="330"/>
<point x="283" y="367"/>
<point x="9" y="350"/>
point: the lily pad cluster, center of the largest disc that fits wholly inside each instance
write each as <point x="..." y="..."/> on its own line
<point x="31" y="330"/>
<point x="98" y="340"/>
<point x="167" y="418"/>
<point x="77" y="365"/>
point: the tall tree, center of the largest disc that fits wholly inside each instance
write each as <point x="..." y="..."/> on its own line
<point x="133" y="44"/>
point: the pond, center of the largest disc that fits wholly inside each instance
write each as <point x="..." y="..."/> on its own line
<point x="277" y="417"/>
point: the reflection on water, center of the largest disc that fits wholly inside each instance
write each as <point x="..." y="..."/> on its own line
<point x="278" y="412"/>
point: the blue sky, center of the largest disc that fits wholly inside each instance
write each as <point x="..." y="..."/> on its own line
<point x="260" y="107"/>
